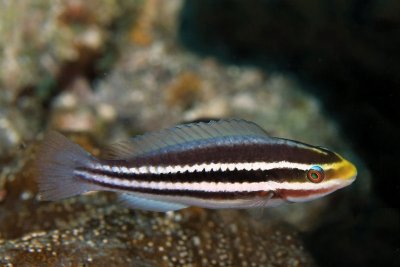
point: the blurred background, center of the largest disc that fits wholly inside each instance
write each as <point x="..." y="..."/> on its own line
<point x="321" y="72"/>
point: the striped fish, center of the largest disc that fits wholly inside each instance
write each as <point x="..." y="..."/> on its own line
<point x="220" y="164"/>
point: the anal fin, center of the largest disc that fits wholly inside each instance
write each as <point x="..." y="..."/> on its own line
<point x="134" y="202"/>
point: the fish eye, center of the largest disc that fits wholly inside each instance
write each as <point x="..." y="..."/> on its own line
<point x="315" y="174"/>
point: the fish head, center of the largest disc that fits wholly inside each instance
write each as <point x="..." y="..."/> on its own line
<point x="325" y="174"/>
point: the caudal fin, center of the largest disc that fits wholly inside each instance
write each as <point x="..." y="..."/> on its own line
<point x="56" y="161"/>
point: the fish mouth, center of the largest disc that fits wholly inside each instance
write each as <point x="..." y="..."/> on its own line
<point x="342" y="182"/>
<point x="346" y="171"/>
<point x="350" y="180"/>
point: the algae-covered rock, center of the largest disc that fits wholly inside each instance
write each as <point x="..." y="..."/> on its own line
<point x="44" y="42"/>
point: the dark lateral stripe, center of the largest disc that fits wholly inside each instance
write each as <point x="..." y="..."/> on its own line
<point x="182" y="193"/>
<point x="237" y="153"/>
<point x="278" y="175"/>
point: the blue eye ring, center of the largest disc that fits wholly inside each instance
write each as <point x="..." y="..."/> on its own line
<point x="315" y="174"/>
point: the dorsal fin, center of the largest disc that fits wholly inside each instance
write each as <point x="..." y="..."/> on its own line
<point x="182" y="134"/>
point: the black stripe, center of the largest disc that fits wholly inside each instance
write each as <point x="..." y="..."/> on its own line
<point x="238" y="153"/>
<point x="278" y="175"/>
<point x="202" y="194"/>
<point x="181" y="193"/>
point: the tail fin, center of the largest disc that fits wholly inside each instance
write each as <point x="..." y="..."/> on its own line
<point x="56" y="161"/>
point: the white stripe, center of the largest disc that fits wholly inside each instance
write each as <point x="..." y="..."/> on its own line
<point x="116" y="169"/>
<point x="207" y="167"/>
<point x="107" y="168"/>
<point x="211" y="186"/>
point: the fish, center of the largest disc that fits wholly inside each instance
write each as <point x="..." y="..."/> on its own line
<point x="231" y="163"/>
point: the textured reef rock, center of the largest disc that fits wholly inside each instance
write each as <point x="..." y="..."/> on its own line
<point x="39" y="37"/>
<point x="44" y="45"/>
<point x="94" y="230"/>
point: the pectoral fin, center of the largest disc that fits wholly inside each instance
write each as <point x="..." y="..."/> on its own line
<point x="134" y="202"/>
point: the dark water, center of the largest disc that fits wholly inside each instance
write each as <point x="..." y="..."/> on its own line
<point x="347" y="53"/>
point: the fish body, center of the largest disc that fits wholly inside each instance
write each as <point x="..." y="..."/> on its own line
<point x="220" y="164"/>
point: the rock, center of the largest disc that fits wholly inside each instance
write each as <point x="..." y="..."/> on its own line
<point x="47" y="42"/>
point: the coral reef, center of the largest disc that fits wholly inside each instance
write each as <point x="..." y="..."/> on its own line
<point x="38" y="38"/>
